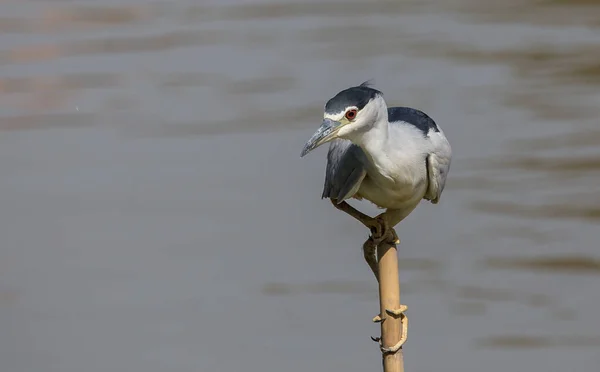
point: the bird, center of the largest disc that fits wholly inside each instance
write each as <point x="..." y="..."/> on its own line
<point x="393" y="157"/>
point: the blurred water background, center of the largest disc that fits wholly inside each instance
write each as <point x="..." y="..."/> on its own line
<point x="155" y="214"/>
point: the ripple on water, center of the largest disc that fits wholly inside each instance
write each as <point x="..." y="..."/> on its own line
<point x="47" y="120"/>
<point x="567" y="264"/>
<point x="537" y="342"/>
<point x="544" y="12"/>
<point x="366" y="289"/>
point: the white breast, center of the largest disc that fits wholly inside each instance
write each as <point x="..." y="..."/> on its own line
<point x="404" y="190"/>
<point x="397" y="173"/>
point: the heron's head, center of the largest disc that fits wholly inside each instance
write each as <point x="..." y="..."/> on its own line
<point x="351" y="111"/>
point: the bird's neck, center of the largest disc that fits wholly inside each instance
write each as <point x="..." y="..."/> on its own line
<point x="373" y="137"/>
<point x="375" y="141"/>
<point x="376" y="131"/>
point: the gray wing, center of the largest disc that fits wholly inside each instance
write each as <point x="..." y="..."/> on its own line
<point x="438" y="166"/>
<point x="345" y="170"/>
<point x="438" y="156"/>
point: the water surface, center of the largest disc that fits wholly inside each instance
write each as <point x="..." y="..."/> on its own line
<point x="156" y="214"/>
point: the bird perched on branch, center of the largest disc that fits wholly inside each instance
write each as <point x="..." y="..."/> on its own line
<point x="392" y="156"/>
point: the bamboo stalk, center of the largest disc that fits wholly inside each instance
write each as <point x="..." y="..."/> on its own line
<point x="394" y="323"/>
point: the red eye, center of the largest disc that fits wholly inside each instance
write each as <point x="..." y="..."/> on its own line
<point x="351" y="114"/>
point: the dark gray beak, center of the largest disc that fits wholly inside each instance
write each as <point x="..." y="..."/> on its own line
<point x="324" y="134"/>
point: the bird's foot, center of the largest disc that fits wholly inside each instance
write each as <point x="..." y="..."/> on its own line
<point x="395" y="313"/>
<point x="381" y="231"/>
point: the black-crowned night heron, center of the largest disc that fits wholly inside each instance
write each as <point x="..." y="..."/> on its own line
<point x="393" y="157"/>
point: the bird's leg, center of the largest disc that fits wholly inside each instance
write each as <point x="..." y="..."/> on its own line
<point x="371" y="223"/>
<point x="370" y="252"/>
<point x="379" y="226"/>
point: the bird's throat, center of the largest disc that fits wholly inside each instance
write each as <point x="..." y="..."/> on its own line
<point x="375" y="144"/>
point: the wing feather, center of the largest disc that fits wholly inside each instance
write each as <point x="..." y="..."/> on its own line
<point x="438" y="166"/>
<point x="345" y="170"/>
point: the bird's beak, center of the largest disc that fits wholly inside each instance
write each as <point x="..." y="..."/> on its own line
<point x="324" y="134"/>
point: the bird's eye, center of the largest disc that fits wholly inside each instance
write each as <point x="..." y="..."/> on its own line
<point x="351" y="114"/>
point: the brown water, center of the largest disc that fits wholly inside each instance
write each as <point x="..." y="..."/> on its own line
<point x="155" y="214"/>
